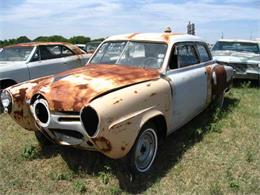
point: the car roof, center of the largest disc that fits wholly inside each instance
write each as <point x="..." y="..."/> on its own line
<point x="157" y="37"/>
<point x="238" y="40"/>
<point x="72" y="47"/>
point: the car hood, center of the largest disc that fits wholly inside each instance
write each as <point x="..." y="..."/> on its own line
<point x="236" y="57"/>
<point x="73" y="89"/>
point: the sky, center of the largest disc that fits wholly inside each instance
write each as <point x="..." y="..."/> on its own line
<point x="102" y="18"/>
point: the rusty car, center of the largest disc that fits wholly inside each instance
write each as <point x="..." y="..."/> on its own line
<point x="242" y="55"/>
<point x="136" y="89"/>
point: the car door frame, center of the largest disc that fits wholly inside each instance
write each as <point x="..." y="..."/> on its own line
<point x="176" y="76"/>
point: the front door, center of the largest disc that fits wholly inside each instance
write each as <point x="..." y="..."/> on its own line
<point x="189" y="84"/>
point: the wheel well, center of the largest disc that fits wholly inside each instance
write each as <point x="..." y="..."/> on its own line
<point x="6" y="83"/>
<point x="160" y="124"/>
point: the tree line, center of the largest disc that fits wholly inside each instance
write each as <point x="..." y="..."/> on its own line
<point x="54" y="38"/>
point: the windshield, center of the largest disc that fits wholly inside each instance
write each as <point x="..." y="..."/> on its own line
<point x="15" y="53"/>
<point x="237" y="46"/>
<point x="140" y="54"/>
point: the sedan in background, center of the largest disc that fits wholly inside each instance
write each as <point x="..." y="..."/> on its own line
<point x="27" y="61"/>
<point x="242" y="55"/>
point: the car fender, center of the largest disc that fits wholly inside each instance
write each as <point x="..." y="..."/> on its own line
<point x="122" y="114"/>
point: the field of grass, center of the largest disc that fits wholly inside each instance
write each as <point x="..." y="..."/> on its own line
<point x="216" y="153"/>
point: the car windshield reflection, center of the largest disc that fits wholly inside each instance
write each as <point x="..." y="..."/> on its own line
<point x="140" y="54"/>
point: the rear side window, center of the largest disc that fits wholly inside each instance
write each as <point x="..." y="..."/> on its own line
<point x="203" y="53"/>
<point x="186" y="55"/>
<point x="54" y="51"/>
<point x="50" y="52"/>
<point x="66" y="52"/>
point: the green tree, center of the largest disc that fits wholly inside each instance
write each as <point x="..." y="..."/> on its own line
<point x="54" y="38"/>
<point x="23" y="39"/>
<point x="79" y="40"/>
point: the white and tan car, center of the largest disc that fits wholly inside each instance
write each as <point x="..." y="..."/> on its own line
<point x="136" y="89"/>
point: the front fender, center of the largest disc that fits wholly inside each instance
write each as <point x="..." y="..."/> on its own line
<point x="21" y="99"/>
<point x="123" y="113"/>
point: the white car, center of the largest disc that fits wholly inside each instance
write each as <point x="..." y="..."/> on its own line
<point x="27" y="61"/>
<point x="242" y="55"/>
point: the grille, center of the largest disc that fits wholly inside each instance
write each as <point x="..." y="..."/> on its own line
<point x="239" y="67"/>
<point x="70" y="133"/>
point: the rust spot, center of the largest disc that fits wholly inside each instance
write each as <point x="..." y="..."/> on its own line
<point x="132" y="35"/>
<point x="221" y="78"/>
<point x="103" y="144"/>
<point x="208" y="70"/>
<point x="18" y="115"/>
<point x="153" y="94"/>
<point x="128" y="123"/>
<point x="148" y="85"/>
<point x="116" y="102"/>
<point x="122" y="148"/>
<point x="135" y="92"/>
<point x="166" y="37"/>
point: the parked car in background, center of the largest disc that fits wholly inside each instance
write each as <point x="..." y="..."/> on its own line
<point x="90" y="47"/>
<point x="136" y="90"/>
<point x="81" y="46"/>
<point x="242" y="55"/>
<point x="27" y="61"/>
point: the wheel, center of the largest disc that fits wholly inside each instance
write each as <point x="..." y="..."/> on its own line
<point x="42" y="139"/>
<point x="145" y="149"/>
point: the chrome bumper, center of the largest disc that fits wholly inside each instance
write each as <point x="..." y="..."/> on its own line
<point x="66" y="129"/>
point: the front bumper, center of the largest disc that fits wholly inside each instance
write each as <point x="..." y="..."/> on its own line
<point x="66" y="129"/>
<point x="246" y="75"/>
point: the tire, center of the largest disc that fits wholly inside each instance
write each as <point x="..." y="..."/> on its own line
<point x="145" y="149"/>
<point x="42" y="139"/>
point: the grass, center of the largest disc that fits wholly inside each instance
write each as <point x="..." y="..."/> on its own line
<point x="216" y="153"/>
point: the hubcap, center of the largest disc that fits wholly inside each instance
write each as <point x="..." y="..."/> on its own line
<point x="146" y="149"/>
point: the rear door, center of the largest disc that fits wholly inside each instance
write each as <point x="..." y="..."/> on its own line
<point x="189" y="83"/>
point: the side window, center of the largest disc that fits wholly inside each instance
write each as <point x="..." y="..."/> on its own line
<point x="50" y="52"/>
<point x="66" y="52"/>
<point x="186" y="55"/>
<point x="203" y="53"/>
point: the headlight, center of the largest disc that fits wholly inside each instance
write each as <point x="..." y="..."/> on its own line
<point x="90" y="120"/>
<point x="6" y="100"/>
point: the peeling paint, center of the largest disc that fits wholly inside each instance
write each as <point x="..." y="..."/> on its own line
<point x="103" y="144"/>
